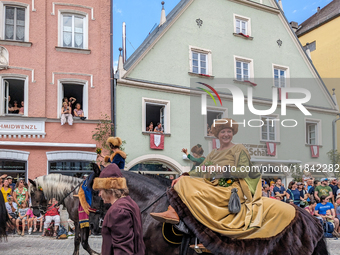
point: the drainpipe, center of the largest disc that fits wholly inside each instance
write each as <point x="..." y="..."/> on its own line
<point x="113" y="121"/>
<point x="334" y="136"/>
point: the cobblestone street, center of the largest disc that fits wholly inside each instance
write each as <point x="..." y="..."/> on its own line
<point x="42" y="246"/>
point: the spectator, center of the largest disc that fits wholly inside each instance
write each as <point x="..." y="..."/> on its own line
<point x="6" y="190"/>
<point x="338" y="210"/>
<point x="66" y="113"/>
<point x="266" y="191"/>
<point x="290" y="201"/>
<point x="279" y="189"/>
<point x="323" y="190"/>
<point x="52" y="213"/>
<point x="9" y="105"/>
<point x="334" y="187"/>
<point x="150" y="127"/>
<point x="33" y="221"/>
<point x="22" y="109"/>
<point x="293" y="193"/>
<point x="209" y="133"/>
<point x="15" y="109"/>
<point x="70" y="101"/>
<point x="303" y="194"/>
<point x="12" y="208"/>
<point x="278" y="197"/>
<point x="171" y="177"/>
<point x="311" y="191"/>
<point x="11" y="184"/>
<point x="309" y="186"/>
<point x="23" y="216"/>
<point x="20" y="194"/>
<point x="159" y="128"/>
<point x="311" y="207"/>
<point x="338" y="192"/>
<point x="321" y="210"/>
<point x="78" y="112"/>
<point x="72" y="227"/>
<point x="2" y="177"/>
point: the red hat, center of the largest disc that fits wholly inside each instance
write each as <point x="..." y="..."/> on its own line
<point x="110" y="178"/>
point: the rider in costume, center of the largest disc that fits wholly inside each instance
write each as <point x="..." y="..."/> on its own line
<point x="117" y="157"/>
<point x="208" y="198"/>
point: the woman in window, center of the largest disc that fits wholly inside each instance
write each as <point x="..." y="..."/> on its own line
<point x="159" y="128"/>
<point x="15" y="109"/>
<point x="78" y="112"/>
<point x="66" y="113"/>
<point x="150" y="127"/>
<point x="22" y="110"/>
<point x="70" y="102"/>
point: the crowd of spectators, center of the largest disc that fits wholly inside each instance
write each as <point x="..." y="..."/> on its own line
<point x="20" y="211"/>
<point x="320" y="198"/>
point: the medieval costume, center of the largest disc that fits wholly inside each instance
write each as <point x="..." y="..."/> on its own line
<point x="197" y="150"/>
<point x="202" y="203"/>
<point x="117" y="157"/>
<point x="122" y="227"/>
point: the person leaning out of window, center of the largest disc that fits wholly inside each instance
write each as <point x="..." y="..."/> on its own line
<point x="159" y="128"/>
<point x="78" y="112"/>
<point x="66" y="113"/>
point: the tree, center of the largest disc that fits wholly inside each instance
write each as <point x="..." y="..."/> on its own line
<point x="334" y="156"/>
<point x="102" y="132"/>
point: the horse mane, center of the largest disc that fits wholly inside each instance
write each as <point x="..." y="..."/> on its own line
<point x="56" y="185"/>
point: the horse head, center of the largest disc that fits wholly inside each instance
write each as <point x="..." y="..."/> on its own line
<point x="38" y="200"/>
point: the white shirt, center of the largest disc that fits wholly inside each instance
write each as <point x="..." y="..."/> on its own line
<point x="9" y="209"/>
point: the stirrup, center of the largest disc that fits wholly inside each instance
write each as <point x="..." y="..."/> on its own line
<point x="199" y="248"/>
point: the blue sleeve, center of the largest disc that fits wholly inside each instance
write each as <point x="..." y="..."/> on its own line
<point x="317" y="207"/>
<point x="119" y="160"/>
<point x="331" y="205"/>
<point x="275" y="190"/>
<point x="290" y="194"/>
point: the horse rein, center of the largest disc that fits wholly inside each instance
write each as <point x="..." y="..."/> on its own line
<point x="153" y="202"/>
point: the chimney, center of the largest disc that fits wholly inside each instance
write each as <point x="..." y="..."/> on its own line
<point x="280" y="4"/>
<point x="163" y="17"/>
<point x="335" y="101"/>
<point x="308" y="51"/>
<point x="318" y="9"/>
<point x="124" y="42"/>
<point x="294" y="26"/>
<point x="120" y="67"/>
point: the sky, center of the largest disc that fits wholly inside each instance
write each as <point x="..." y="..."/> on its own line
<point x="141" y="16"/>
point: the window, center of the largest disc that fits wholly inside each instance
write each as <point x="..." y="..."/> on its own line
<point x="243" y="69"/>
<point x="212" y="114"/>
<point x="77" y="90"/>
<point x="15" y="19"/>
<point x="70" y="168"/>
<point x="15" y="97"/>
<point x="313" y="132"/>
<point x="154" y="167"/>
<point x="200" y="61"/>
<point x="268" y="129"/>
<point x="73" y="31"/>
<point x="156" y="111"/>
<point x="16" y="169"/>
<point x="242" y="25"/>
<point x="279" y="78"/>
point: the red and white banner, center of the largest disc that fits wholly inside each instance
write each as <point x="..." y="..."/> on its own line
<point x="216" y="144"/>
<point x="156" y="142"/>
<point x="315" y="151"/>
<point x="271" y="149"/>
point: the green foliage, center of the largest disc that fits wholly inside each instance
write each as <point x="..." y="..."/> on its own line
<point x="103" y="131"/>
<point x="297" y="172"/>
<point x="334" y="157"/>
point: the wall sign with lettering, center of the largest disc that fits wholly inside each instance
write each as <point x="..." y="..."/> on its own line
<point x="22" y="127"/>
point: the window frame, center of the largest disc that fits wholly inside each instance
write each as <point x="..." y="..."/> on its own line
<point x="287" y="75"/>
<point x="84" y="83"/>
<point x="3" y="5"/>
<point x="250" y="70"/>
<point x="160" y="102"/>
<point x="74" y="13"/>
<point x="318" y="130"/>
<point x="3" y="94"/>
<point x="276" y="129"/>
<point x="242" y="18"/>
<point x="200" y="51"/>
<point x="222" y="110"/>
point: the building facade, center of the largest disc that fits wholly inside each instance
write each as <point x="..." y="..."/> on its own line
<point x="51" y="50"/>
<point x="247" y="45"/>
<point x="315" y="34"/>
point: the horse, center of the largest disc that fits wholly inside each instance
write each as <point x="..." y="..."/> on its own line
<point x="4" y="218"/>
<point x="62" y="188"/>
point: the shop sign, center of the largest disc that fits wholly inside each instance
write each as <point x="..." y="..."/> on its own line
<point x="22" y="127"/>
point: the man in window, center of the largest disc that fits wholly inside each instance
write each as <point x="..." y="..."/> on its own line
<point x="323" y="190"/>
<point x="159" y="128"/>
<point x="279" y="190"/>
<point x="9" y="105"/>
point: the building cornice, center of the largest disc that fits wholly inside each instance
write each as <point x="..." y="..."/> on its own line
<point x="41" y="144"/>
<point x="258" y="6"/>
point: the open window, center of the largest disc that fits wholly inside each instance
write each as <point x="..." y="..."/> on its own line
<point x="156" y="111"/>
<point x="14" y="99"/>
<point x="213" y="114"/>
<point x="76" y="90"/>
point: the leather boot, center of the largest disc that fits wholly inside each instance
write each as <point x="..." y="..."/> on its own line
<point x="200" y="248"/>
<point x="170" y="216"/>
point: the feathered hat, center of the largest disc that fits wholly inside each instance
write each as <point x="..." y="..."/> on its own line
<point x="110" y="178"/>
<point x="115" y="141"/>
<point x="220" y="124"/>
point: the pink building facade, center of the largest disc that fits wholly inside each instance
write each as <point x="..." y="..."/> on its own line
<point x="50" y="50"/>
